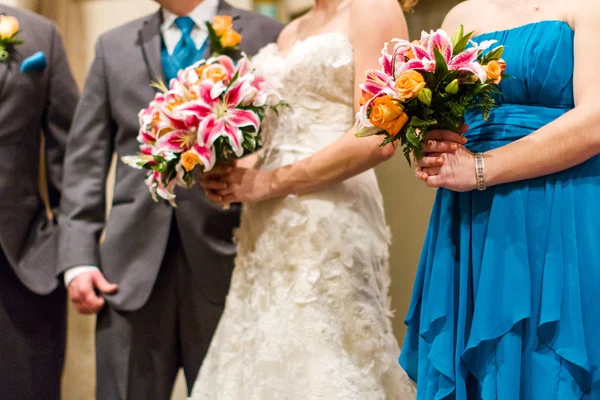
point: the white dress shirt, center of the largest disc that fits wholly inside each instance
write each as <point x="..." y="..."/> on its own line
<point x="205" y="11"/>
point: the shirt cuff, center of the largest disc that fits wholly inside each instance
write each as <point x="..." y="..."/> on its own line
<point x="76" y="271"/>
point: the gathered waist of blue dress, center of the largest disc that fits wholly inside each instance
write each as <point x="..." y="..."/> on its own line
<point x="507" y="123"/>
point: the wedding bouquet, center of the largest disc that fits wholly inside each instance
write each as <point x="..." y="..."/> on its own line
<point x="210" y="115"/>
<point x="428" y="84"/>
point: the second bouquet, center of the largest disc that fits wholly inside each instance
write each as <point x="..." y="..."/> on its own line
<point x="428" y="84"/>
<point x="209" y="115"/>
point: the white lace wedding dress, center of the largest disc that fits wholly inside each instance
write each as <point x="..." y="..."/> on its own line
<point x="308" y="313"/>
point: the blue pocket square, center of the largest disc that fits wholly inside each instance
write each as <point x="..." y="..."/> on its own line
<point x="37" y="62"/>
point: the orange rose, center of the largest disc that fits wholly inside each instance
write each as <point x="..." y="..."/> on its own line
<point x="388" y="115"/>
<point x="215" y="73"/>
<point x="230" y="38"/>
<point x="9" y="25"/>
<point x="364" y="98"/>
<point x="493" y="71"/>
<point x="222" y="24"/>
<point x="409" y="83"/>
<point x="189" y="160"/>
<point x="200" y="70"/>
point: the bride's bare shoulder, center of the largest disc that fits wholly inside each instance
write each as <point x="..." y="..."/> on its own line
<point x="383" y="18"/>
<point x="384" y="9"/>
<point x="289" y="34"/>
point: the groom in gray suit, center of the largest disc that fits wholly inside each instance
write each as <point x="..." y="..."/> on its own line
<point x="169" y="269"/>
<point x="38" y="96"/>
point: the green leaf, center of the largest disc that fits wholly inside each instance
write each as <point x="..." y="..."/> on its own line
<point x="249" y="143"/>
<point x="412" y="137"/>
<point x="235" y="78"/>
<point x="492" y="55"/>
<point x="407" y="152"/>
<point x="214" y="40"/>
<point x="441" y="68"/>
<point x="425" y="96"/>
<point x="428" y="112"/>
<point x="389" y="139"/>
<point x="418" y="153"/>
<point x="277" y="106"/>
<point x="417" y="122"/>
<point x="461" y="45"/>
<point x="458" y="35"/>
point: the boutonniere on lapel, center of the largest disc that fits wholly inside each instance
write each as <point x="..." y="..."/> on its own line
<point x="9" y="29"/>
<point x="223" y="38"/>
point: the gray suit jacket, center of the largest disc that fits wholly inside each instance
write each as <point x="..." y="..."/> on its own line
<point x="137" y="229"/>
<point x="31" y="104"/>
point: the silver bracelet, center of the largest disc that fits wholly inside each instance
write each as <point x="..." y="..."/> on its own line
<point x="480" y="171"/>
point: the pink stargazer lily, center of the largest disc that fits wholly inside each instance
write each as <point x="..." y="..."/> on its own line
<point x="221" y="117"/>
<point x="154" y="181"/>
<point x="438" y="40"/>
<point x="177" y="141"/>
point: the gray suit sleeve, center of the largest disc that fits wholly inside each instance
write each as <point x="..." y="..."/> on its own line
<point x="62" y="97"/>
<point x="87" y="162"/>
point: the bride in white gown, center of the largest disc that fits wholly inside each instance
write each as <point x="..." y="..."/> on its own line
<point x="308" y="312"/>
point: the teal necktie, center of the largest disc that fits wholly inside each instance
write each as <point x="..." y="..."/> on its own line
<point x="185" y="51"/>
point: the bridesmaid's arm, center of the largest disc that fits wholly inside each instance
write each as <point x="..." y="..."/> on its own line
<point x="568" y="141"/>
<point x="371" y="24"/>
<point x="571" y="139"/>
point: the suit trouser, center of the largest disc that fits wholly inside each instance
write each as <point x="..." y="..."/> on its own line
<point x="140" y="352"/>
<point x="32" y="339"/>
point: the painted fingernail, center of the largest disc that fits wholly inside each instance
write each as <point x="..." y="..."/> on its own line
<point x="440" y="161"/>
<point x="454" y="146"/>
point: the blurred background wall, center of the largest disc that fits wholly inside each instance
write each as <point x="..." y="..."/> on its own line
<point x="407" y="202"/>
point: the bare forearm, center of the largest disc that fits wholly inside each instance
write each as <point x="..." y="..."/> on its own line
<point x="566" y="142"/>
<point x="343" y="159"/>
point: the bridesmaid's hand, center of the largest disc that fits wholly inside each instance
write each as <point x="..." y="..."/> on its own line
<point x="436" y="143"/>
<point x="226" y="185"/>
<point x="457" y="172"/>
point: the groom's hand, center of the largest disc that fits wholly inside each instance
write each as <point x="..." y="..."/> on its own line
<point x="85" y="291"/>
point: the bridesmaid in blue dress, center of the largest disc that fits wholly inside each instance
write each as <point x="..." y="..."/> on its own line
<point x="506" y="303"/>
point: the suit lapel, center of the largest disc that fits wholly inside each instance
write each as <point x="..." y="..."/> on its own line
<point x="150" y="43"/>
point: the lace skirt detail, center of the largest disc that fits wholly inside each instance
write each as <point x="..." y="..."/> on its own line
<point x="308" y="313"/>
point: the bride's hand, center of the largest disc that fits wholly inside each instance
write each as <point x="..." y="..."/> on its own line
<point x="456" y="173"/>
<point x="226" y="185"/>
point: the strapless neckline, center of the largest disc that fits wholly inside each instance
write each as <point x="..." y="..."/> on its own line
<point x="300" y="42"/>
<point x="528" y="25"/>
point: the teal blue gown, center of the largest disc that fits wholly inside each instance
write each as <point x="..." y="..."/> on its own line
<point x="506" y="300"/>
